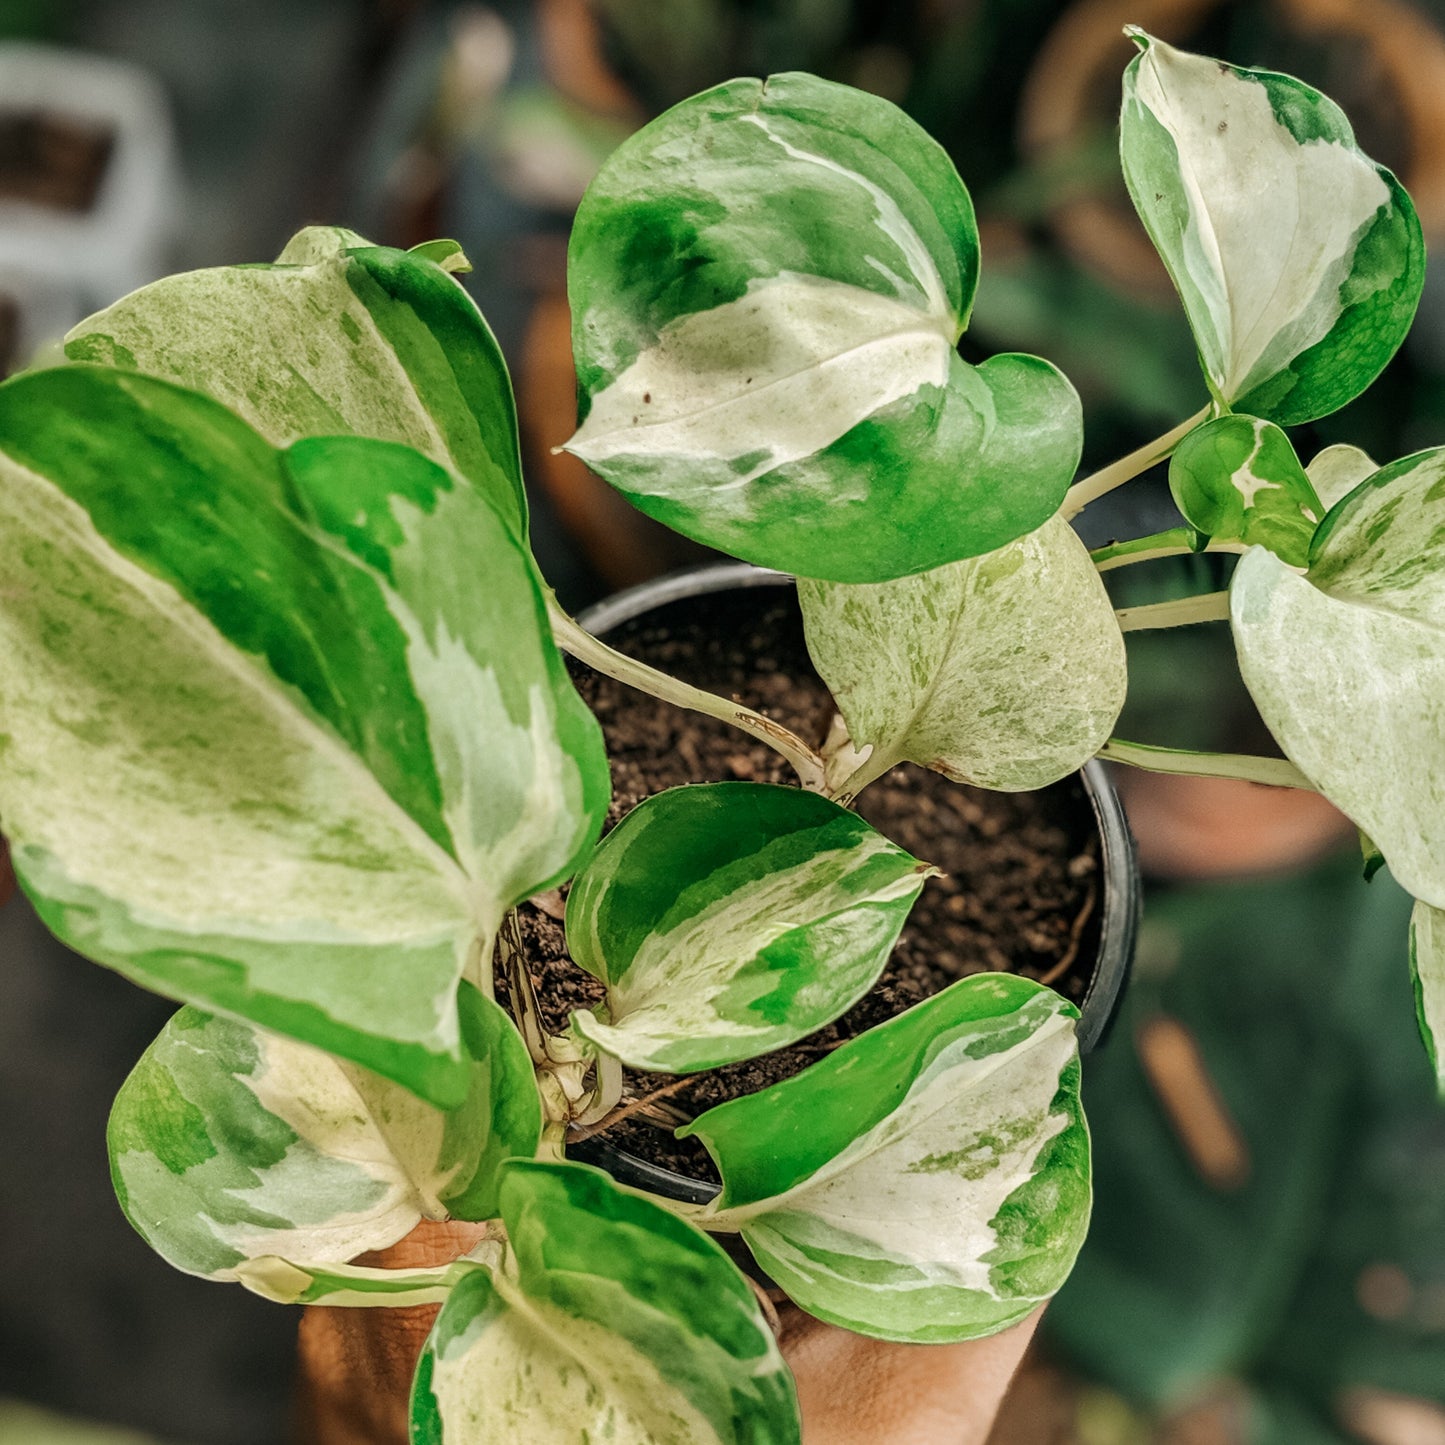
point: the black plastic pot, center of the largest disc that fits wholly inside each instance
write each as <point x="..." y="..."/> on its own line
<point x="1121" y="894"/>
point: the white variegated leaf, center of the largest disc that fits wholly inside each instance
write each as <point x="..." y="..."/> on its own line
<point x="1237" y="479"/>
<point x="1336" y="471"/>
<point x="768" y="284"/>
<point x="1427" y="969"/>
<point x="620" y="1323"/>
<point x="1347" y="663"/>
<point x="267" y="748"/>
<point x="1299" y="261"/>
<point x="229" y="1144"/>
<point x="928" y="1181"/>
<point x="1006" y="670"/>
<point x="353" y="1286"/>
<point x="730" y="919"/>
<point x="338" y="337"/>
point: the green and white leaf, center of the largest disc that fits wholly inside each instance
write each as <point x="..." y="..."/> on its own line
<point x="357" y="1286"/>
<point x="1299" y="260"/>
<point x="621" y="1323"/>
<point x="338" y="337"/>
<point x="1347" y="663"/>
<point x="731" y="919"/>
<point x="229" y="1144"/>
<point x="267" y="747"/>
<point x="768" y="284"/>
<point x="928" y="1181"/>
<point x="1006" y="670"/>
<point x="1237" y="479"/>
<point x="1336" y="471"/>
<point x="1427" y="969"/>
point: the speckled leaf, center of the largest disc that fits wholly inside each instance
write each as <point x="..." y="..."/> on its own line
<point x="767" y="284"/>
<point x="928" y="1181"/>
<point x="338" y="337"/>
<point x="1006" y="670"/>
<point x="1299" y="261"/>
<point x="1427" y="969"/>
<point x="228" y="1143"/>
<point x="731" y="919"/>
<point x="1237" y="479"/>
<point x="1347" y="663"/>
<point x="620" y="1323"/>
<point x="268" y="748"/>
<point x="1336" y="471"/>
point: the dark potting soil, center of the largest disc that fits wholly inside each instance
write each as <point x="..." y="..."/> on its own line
<point x="1020" y="887"/>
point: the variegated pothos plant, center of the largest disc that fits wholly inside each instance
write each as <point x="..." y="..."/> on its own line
<point x="285" y="731"/>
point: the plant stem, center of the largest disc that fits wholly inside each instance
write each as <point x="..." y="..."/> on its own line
<point x="1274" y="772"/>
<point x="1181" y="612"/>
<point x="512" y="955"/>
<point x="607" y="1090"/>
<point x="1127" y="468"/>
<point x="596" y="654"/>
<point x="870" y="770"/>
<point x="1176" y="542"/>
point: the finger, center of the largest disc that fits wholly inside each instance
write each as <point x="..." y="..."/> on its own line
<point x="857" y="1391"/>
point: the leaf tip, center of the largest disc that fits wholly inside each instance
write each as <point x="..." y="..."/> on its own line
<point x="1139" y="36"/>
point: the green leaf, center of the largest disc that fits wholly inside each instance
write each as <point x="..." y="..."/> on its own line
<point x="928" y="1181"/>
<point x="1347" y="663"/>
<point x="733" y="918"/>
<point x="1006" y="670"/>
<point x="265" y="746"/>
<point x="1298" y="259"/>
<point x="228" y="1144"/>
<point x="1237" y="479"/>
<point x="767" y="284"/>
<point x="338" y="337"/>
<point x="1427" y="970"/>
<point x="1336" y="471"/>
<point x="353" y="1286"/>
<point x="621" y="1323"/>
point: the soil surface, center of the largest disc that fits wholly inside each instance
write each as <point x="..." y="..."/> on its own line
<point x="1020" y="887"/>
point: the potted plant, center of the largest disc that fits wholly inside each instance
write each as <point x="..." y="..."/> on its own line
<point x="287" y="733"/>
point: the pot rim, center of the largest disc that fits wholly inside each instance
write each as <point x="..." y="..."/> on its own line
<point x="1119" y="869"/>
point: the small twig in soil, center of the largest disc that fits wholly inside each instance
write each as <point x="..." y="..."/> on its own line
<point x="633" y="1106"/>
<point x="1076" y="934"/>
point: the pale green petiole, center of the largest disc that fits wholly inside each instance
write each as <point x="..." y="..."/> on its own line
<point x="1090" y="489"/>
<point x="580" y="643"/>
<point x="1180" y="612"/>
<point x="1274" y="772"/>
<point x="1175" y="542"/>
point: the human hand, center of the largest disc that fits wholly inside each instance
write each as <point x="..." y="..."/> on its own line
<point x="356" y="1368"/>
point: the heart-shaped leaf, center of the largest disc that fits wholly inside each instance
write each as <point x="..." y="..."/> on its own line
<point x="767" y="286"/>
<point x="621" y="1323"/>
<point x="928" y="1181"/>
<point x="1347" y="663"/>
<point x="1298" y="259"/>
<point x="733" y="918"/>
<point x="338" y="337"/>
<point x="228" y="1143"/>
<point x="1336" y="471"/>
<point x="1237" y="479"/>
<point x="1005" y="670"/>
<point x="269" y="749"/>
<point x="1427" y="969"/>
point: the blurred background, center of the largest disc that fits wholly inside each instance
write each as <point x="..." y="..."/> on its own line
<point x="1267" y="1262"/>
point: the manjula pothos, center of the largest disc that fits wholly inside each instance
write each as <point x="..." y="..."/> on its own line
<point x="285" y="732"/>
